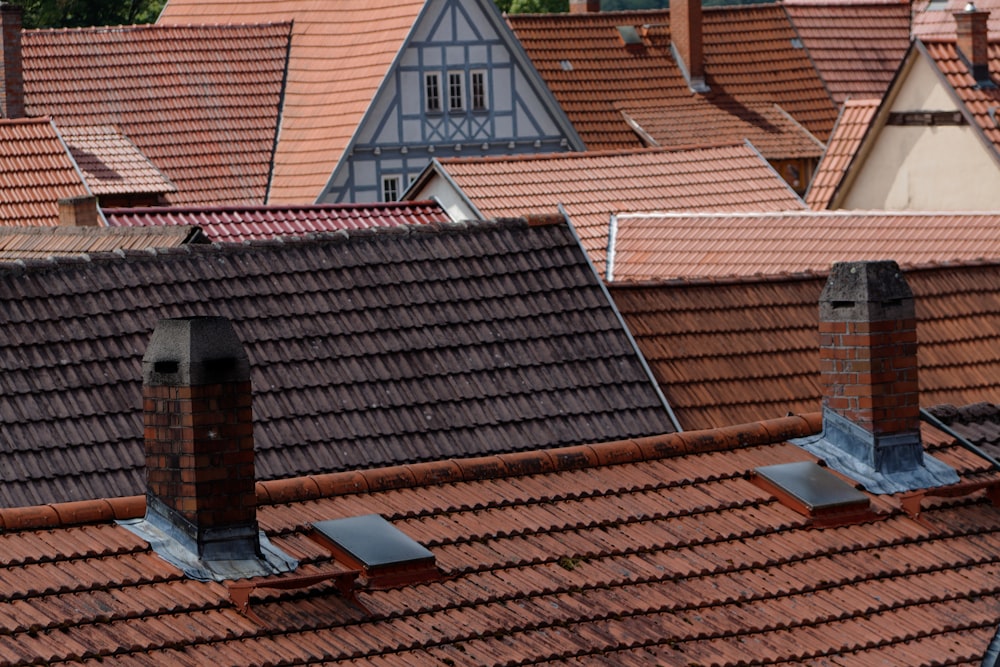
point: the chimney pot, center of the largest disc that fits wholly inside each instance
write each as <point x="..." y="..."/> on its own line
<point x="972" y="40"/>
<point x="12" y="89"/>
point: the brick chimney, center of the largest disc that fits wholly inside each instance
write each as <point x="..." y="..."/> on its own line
<point x="686" y="42"/>
<point x="201" y="502"/>
<point x="972" y="39"/>
<point x="12" y="92"/>
<point x="79" y="212"/>
<point x="584" y="6"/>
<point x="868" y="360"/>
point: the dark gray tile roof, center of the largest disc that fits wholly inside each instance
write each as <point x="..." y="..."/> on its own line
<point x="368" y="348"/>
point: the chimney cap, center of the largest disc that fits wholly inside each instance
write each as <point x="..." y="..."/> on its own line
<point x="864" y="291"/>
<point x="194" y="351"/>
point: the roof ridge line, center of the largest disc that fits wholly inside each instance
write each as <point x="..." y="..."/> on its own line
<point x="449" y="471"/>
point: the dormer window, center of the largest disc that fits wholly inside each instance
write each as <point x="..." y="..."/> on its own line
<point x="456" y="96"/>
<point x="432" y="92"/>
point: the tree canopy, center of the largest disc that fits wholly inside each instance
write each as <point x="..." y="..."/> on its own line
<point x="81" y="13"/>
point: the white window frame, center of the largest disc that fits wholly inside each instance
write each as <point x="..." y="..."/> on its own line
<point x="391" y="188"/>
<point x="456" y="90"/>
<point x="432" y="92"/>
<point x="478" y="91"/>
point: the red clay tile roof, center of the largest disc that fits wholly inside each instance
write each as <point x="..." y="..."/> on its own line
<point x="36" y="170"/>
<point x="852" y="126"/>
<point x="978" y="101"/>
<point x="112" y="164"/>
<point x="749" y="57"/>
<point x="201" y="103"/>
<point x="766" y="126"/>
<point x="44" y="242"/>
<point x="653" y="551"/>
<point x="337" y="62"/>
<point x="229" y="224"/>
<point x="934" y="18"/>
<point x="732" y="351"/>
<point x="857" y="45"/>
<point x="593" y="185"/>
<point x="370" y="347"/>
<point x="712" y="245"/>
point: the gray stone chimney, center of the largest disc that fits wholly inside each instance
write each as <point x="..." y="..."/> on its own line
<point x="686" y="42"/>
<point x="972" y="39"/>
<point x="201" y="501"/>
<point x="868" y="360"/>
<point x="12" y="91"/>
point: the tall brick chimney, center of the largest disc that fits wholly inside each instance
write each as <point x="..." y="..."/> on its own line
<point x="584" y="6"/>
<point x="12" y="91"/>
<point x="972" y="40"/>
<point x="201" y="502"/>
<point x="686" y="42"/>
<point x="868" y="360"/>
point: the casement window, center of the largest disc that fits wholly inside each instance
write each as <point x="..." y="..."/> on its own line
<point x="477" y="81"/>
<point x="390" y="188"/>
<point x="432" y="91"/>
<point x="456" y="96"/>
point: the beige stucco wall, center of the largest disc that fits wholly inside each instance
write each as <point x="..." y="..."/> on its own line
<point x="453" y="204"/>
<point x="944" y="168"/>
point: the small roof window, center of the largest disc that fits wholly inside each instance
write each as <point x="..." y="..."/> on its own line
<point x="814" y="491"/>
<point x="630" y="37"/>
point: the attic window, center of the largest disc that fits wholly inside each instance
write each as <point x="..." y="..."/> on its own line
<point x="566" y="65"/>
<point x="797" y="43"/>
<point x="937" y="5"/>
<point x="814" y="492"/>
<point x="386" y="555"/>
<point x="630" y="37"/>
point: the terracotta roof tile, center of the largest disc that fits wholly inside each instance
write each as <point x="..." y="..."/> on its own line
<point x="934" y="19"/>
<point x="857" y="45"/>
<point x="852" y="126"/>
<point x="749" y="57"/>
<point x="234" y="224"/>
<point x="712" y="245"/>
<point x="336" y="64"/>
<point x="734" y="351"/>
<point x="44" y="242"/>
<point x="977" y="100"/>
<point x="370" y="347"/>
<point x="35" y="172"/>
<point x="112" y="164"/>
<point x="591" y="186"/>
<point x="201" y="103"/>
<point x="674" y="557"/>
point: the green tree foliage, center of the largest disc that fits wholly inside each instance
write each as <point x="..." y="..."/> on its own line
<point x="81" y="13"/>
<point x="538" y="6"/>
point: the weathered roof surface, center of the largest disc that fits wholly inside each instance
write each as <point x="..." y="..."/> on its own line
<point x="368" y="348"/>
<point x="852" y="126"/>
<point x="979" y="101"/>
<point x="732" y="351"/>
<point x="202" y="103"/>
<point x="935" y="18"/>
<point x="337" y="62"/>
<point x="711" y="245"/>
<point x="666" y="554"/>
<point x="857" y="45"/>
<point x="749" y="57"/>
<point x="591" y="186"/>
<point x="43" y="242"/>
<point x="112" y="164"/>
<point x="766" y="126"/>
<point x="233" y="224"/>
<point x="36" y="171"/>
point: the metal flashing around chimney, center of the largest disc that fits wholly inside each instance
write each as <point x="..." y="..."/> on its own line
<point x="201" y="500"/>
<point x="868" y="358"/>
<point x="386" y="555"/>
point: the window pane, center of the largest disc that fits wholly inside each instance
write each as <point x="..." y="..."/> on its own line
<point x="455" y="100"/>
<point x="432" y="92"/>
<point x="478" y="90"/>
<point x="390" y="188"/>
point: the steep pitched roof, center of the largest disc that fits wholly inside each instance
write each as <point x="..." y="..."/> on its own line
<point x="201" y="103"/>
<point x="112" y="164"/>
<point x="713" y="245"/>
<point x="855" y="119"/>
<point x="732" y="351"/>
<point x="234" y="224"/>
<point x="594" y="185"/>
<point x="44" y="242"/>
<point x="935" y="18"/>
<point x="749" y="57"/>
<point x="36" y="171"/>
<point x="652" y="551"/>
<point x="368" y="348"/>
<point x="338" y="60"/>
<point x="857" y="45"/>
